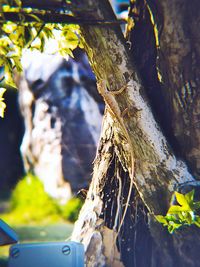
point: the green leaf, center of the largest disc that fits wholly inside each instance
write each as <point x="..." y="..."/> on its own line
<point x="189" y="217"/>
<point x="71" y="40"/>
<point x="9" y="27"/>
<point x="181" y="199"/>
<point x="183" y="215"/>
<point x="190" y="197"/>
<point x="173" y="226"/>
<point x="171" y="217"/>
<point x="175" y="209"/>
<point x="18" y="64"/>
<point x="197" y="223"/>
<point x="171" y="229"/>
<point x="161" y="219"/>
<point x="197" y="220"/>
<point x="18" y="2"/>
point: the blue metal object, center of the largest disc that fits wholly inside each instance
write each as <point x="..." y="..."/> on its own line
<point x="7" y="234"/>
<point x="51" y="254"/>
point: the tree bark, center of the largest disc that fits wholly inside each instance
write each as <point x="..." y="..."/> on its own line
<point x="173" y="51"/>
<point x="179" y="54"/>
<point x="109" y="58"/>
<point x="159" y="171"/>
<point x="165" y="49"/>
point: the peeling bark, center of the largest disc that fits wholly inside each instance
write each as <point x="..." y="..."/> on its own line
<point x="90" y="229"/>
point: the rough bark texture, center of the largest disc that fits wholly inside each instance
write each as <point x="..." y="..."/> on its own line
<point x="179" y="63"/>
<point x="157" y="172"/>
<point x="170" y="44"/>
<point x="98" y="217"/>
<point x="90" y="228"/>
<point x="164" y="46"/>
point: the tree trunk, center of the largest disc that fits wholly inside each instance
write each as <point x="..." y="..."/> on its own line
<point x="158" y="169"/>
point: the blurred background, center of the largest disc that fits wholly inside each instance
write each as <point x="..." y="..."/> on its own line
<point x="48" y="142"/>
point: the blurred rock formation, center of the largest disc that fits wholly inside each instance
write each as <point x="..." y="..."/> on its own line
<point x="62" y="112"/>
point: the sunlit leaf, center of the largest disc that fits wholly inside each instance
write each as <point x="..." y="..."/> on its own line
<point x="14" y="37"/>
<point x="161" y="219"/>
<point x="197" y="220"/>
<point x="197" y="223"/>
<point x="9" y="27"/>
<point x="18" y="64"/>
<point x="181" y="199"/>
<point x="183" y="215"/>
<point x="18" y="2"/>
<point x="173" y="226"/>
<point x="175" y="209"/>
<point x="171" y="217"/>
<point x="190" y="196"/>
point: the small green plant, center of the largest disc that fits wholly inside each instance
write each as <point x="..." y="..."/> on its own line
<point x="30" y="203"/>
<point x="14" y="37"/>
<point x="183" y="214"/>
<point x="71" y="209"/>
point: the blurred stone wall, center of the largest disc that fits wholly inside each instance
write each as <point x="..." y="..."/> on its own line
<point x="62" y="112"/>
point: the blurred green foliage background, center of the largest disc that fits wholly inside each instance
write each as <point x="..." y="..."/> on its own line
<point x="29" y="203"/>
<point x="35" y="216"/>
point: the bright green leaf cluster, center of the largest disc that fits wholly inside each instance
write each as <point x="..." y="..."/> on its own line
<point x="28" y="200"/>
<point x="69" y="40"/>
<point x="183" y="214"/>
<point x="14" y="37"/>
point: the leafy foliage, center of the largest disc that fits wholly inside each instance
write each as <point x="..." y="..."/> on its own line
<point x="30" y="203"/>
<point x="183" y="214"/>
<point x="14" y="37"/>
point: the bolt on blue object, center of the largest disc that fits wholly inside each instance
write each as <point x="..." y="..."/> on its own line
<point x="7" y="234"/>
<point x="51" y="254"/>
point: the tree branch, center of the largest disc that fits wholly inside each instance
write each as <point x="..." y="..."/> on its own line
<point x="157" y="171"/>
<point x="53" y="17"/>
